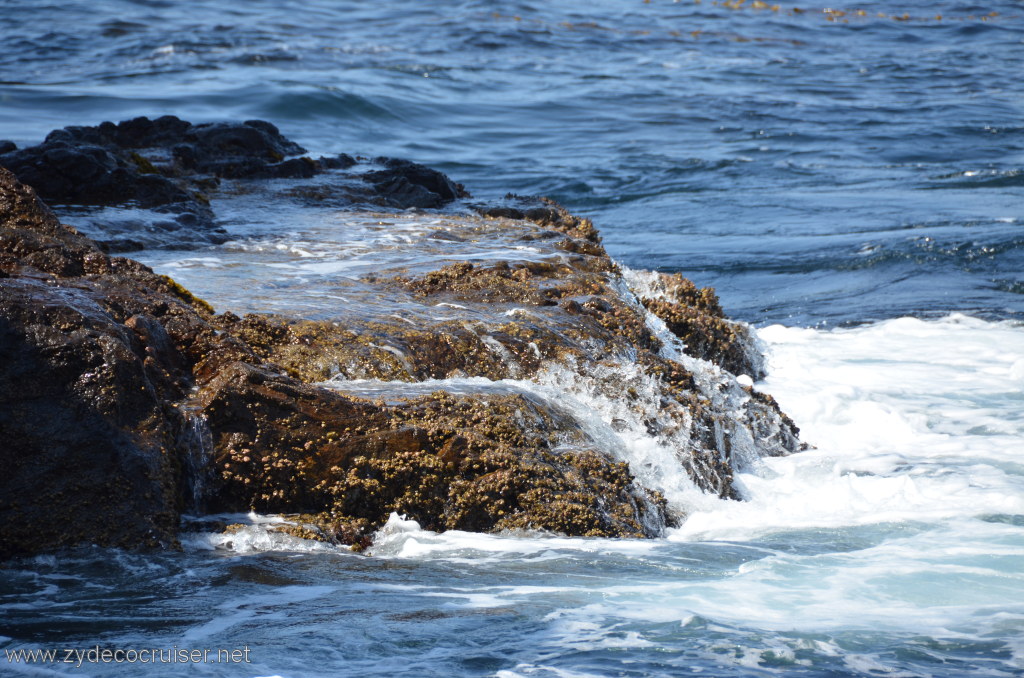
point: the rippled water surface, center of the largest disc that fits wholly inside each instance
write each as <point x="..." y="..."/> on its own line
<point x="857" y="165"/>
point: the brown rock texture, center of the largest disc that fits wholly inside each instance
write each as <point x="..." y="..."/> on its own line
<point x="125" y="401"/>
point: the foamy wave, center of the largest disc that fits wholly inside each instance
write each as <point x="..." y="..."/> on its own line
<point x="913" y="420"/>
<point x="254" y="533"/>
<point x="404" y="538"/>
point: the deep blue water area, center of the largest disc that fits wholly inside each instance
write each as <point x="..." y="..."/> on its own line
<point x="835" y="164"/>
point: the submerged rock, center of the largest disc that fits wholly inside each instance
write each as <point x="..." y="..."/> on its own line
<point x="130" y="401"/>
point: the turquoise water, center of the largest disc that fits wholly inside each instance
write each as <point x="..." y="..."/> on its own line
<point x="863" y="172"/>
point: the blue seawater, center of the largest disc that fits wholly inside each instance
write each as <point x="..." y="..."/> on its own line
<point x="811" y="170"/>
<point x="850" y="178"/>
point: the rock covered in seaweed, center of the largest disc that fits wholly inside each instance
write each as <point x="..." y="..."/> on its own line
<point x="132" y="357"/>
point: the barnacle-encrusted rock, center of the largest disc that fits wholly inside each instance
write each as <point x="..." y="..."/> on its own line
<point x="126" y="399"/>
<point x="548" y="213"/>
<point x="472" y="462"/>
<point x="694" y="315"/>
<point x="105" y="355"/>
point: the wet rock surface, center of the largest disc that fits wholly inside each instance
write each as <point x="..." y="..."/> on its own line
<point x="471" y="463"/>
<point x="87" y="384"/>
<point x="408" y="184"/>
<point x="695" y="316"/>
<point x="131" y="401"/>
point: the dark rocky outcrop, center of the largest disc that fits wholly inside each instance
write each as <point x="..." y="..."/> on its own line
<point x="107" y="365"/>
<point x="408" y="184"/>
<point x="174" y="167"/>
<point x="87" y="382"/>
<point x="102" y="166"/>
<point x="125" y="400"/>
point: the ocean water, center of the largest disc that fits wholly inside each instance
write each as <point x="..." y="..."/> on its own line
<point x="850" y="178"/>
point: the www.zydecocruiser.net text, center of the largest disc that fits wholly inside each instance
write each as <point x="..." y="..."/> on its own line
<point x="78" y="657"/>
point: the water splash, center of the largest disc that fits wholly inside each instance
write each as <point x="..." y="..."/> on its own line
<point x="197" y="442"/>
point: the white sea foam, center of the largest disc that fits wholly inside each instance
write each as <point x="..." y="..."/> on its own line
<point x="912" y="420"/>
<point x="274" y="607"/>
<point x="905" y="519"/>
<point x="914" y="582"/>
<point x="404" y="538"/>
<point x="254" y="533"/>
